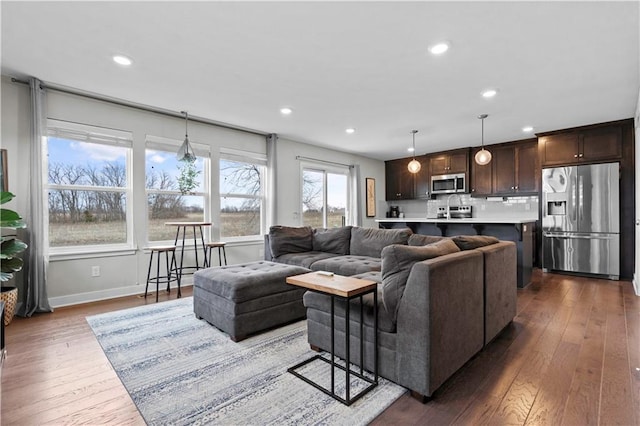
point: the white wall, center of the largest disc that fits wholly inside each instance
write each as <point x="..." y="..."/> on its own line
<point x="69" y="280"/>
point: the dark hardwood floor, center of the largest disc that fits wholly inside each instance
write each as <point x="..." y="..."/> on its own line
<point x="571" y="356"/>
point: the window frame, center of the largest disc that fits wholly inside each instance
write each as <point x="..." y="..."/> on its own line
<point x="83" y="133"/>
<point x="325" y="169"/>
<point x="203" y="151"/>
<point x="249" y="158"/>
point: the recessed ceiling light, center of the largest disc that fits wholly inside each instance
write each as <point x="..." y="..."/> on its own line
<point x="410" y="149"/>
<point x="286" y="111"/>
<point x="489" y="93"/>
<point x="122" y="60"/>
<point x="439" y="48"/>
<point x="350" y="130"/>
<point x="527" y="129"/>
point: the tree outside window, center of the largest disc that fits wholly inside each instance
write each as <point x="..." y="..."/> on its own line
<point x="241" y="198"/>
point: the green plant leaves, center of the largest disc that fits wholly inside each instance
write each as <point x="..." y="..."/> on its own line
<point x="5" y="197"/>
<point x="11" y="247"/>
<point x="9" y="266"/>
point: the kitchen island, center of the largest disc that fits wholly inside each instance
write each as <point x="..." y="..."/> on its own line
<point x="520" y="231"/>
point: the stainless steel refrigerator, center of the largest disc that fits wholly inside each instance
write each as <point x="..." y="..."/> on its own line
<point x="581" y="219"/>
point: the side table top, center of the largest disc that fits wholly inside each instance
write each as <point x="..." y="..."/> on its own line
<point x="337" y="285"/>
<point x="187" y="223"/>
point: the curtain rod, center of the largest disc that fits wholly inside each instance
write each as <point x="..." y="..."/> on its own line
<point x="142" y="107"/>
<point x="300" y="157"/>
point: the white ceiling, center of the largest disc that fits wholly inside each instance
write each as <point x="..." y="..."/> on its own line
<point x="344" y="64"/>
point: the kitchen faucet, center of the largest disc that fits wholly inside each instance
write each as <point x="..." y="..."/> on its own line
<point x="449" y="202"/>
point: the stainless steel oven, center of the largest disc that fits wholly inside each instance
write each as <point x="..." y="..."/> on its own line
<point x="448" y="184"/>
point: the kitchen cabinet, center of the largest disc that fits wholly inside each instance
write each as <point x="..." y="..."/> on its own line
<point x="399" y="182"/>
<point x="600" y="144"/>
<point x="456" y="161"/>
<point x="481" y="177"/>
<point x="515" y="168"/>
<point x="423" y="178"/>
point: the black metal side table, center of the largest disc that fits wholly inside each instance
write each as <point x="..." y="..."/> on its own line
<point x="343" y="288"/>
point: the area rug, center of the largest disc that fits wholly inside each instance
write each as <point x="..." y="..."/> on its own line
<point x="183" y="371"/>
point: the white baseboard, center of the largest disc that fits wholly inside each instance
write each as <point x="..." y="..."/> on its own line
<point x="636" y="285"/>
<point x="111" y="293"/>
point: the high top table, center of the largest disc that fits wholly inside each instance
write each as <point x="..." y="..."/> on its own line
<point x="196" y="226"/>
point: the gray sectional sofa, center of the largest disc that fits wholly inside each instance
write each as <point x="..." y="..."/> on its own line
<point x="440" y="300"/>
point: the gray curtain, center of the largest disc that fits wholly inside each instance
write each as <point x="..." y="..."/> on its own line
<point x="354" y="218"/>
<point x="271" y="192"/>
<point x="34" y="298"/>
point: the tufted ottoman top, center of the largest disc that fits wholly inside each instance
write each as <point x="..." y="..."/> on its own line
<point x="247" y="281"/>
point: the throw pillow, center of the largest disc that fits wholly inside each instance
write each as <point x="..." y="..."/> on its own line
<point x="286" y="239"/>
<point x="371" y="241"/>
<point x="470" y="242"/>
<point x="332" y="240"/>
<point x="423" y="240"/>
<point x="397" y="261"/>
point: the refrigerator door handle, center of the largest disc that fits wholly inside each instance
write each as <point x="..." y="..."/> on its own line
<point x="579" y="237"/>
<point x="574" y="195"/>
<point x="580" y="199"/>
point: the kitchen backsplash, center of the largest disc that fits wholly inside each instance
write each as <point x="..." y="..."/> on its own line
<point x="490" y="207"/>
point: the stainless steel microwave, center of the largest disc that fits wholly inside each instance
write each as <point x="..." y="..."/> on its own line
<point x="448" y="184"/>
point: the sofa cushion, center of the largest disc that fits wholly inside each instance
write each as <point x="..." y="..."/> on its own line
<point x="305" y="259"/>
<point x="397" y="261"/>
<point x="371" y="276"/>
<point x="470" y="242"/>
<point x="287" y="239"/>
<point x="332" y="240"/>
<point x="371" y="241"/>
<point x="347" y="265"/>
<point x="322" y="302"/>
<point x="423" y="240"/>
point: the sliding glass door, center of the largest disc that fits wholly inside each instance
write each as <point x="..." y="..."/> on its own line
<point x="324" y="197"/>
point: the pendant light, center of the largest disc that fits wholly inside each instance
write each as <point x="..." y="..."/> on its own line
<point x="185" y="153"/>
<point x="414" y="165"/>
<point x="483" y="157"/>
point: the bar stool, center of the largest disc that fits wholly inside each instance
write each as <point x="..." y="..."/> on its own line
<point x="172" y="267"/>
<point x="220" y="245"/>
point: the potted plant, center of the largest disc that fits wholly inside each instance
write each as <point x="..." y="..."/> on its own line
<point x="9" y="248"/>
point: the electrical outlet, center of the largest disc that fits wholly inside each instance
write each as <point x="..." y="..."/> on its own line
<point x="527" y="206"/>
<point x="95" y="271"/>
<point x="483" y="207"/>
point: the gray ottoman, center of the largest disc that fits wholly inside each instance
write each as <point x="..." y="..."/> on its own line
<point x="243" y="299"/>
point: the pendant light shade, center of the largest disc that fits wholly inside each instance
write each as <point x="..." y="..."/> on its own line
<point x="414" y="165"/>
<point x="185" y="153"/>
<point x="483" y="157"/>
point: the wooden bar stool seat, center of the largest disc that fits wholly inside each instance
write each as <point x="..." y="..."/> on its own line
<point x="172" y="271"/>
<point x="220" y="245"/>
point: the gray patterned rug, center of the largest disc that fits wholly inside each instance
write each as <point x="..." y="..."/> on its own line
<point x="180" y="370"/>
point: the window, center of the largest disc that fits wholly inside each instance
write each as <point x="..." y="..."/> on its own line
<point x="165" y="200"/>
<point x="324" y="197"/>
<point x="88" y="186"/>
<point x="241" y="194"/>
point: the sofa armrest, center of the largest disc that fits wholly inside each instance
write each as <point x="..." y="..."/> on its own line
<point x="440" y="320"/>
<point x="267" y="249"/>
<point x="500" y="286"/>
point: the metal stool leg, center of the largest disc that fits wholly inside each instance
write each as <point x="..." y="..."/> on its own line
<point x="157" y="276"/>
<point x="224" y="250"/>
<point x="166" y="259"/>
<point x="177" y="274"/>
<point x="146" y="287"/>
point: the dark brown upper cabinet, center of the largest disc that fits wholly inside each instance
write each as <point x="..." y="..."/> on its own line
<point x="515" y="168"/>
<point x="592" y="145"/>
<point x="456" y="161"/>
<point x="423" y="178"/>
<point x="481" y="177"/>
<point x="399" y="182"/>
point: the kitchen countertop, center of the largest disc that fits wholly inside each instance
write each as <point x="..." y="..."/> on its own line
<point x="471" y="220"/>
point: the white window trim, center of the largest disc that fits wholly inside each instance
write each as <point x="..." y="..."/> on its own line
<point x="99" y="136"/>
<point x="158" y="143"/>
<point x="324" y="169"/>
<point x="250" y="158"/>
